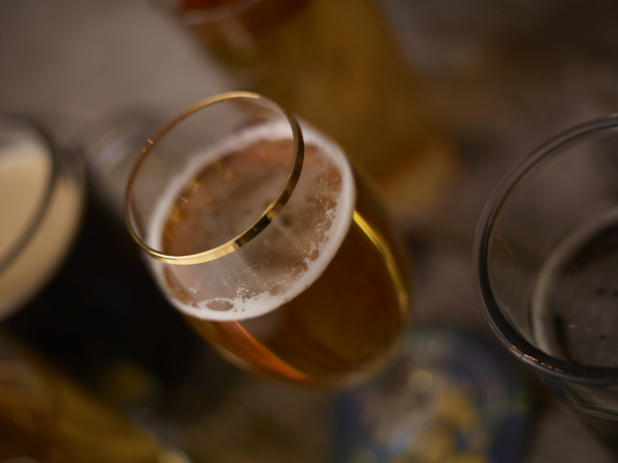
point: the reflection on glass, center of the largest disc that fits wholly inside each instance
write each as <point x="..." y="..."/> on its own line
<point x="265" y="238"/>
<point x="40" y="207"/>
<point x="546" y="256"/>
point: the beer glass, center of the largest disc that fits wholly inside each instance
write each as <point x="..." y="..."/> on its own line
<point x="546" y="259"/>
<point x="275" y="250"/>
<point x="41" y="201"/>
<point x="67" y="296"/>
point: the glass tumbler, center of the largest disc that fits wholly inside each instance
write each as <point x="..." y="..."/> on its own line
<point x="546" y="267"/>
<point x="274" y="249"/>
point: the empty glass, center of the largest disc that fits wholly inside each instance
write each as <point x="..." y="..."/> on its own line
<point x="546" y="260"/>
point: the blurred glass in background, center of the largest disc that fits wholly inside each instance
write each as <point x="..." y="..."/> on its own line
<point x="545" y="268"/>
<point x="498" y="77"/>
<point x="41" y="201"/>
<point x="46" y="417"/>
<point x="84" y="300"/>
<point x="337" y="66"/>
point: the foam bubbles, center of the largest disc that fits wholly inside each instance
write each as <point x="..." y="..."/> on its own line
<point x="284" y="259"/>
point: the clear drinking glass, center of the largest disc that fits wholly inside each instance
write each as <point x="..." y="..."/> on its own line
<point x="546" y="260"/>
<point x="260" y="233"/>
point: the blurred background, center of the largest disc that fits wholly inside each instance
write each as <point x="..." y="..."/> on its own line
<point x="495" y="78"/>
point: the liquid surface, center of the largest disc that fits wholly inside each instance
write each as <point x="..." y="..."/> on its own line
<point x="575" y="303"/>
<point x="345" y="318"/>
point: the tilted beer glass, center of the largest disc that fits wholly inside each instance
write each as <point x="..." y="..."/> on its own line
<point x="276" y="251"/>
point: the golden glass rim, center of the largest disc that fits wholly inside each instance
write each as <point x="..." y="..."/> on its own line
<point x="258" y="225"/>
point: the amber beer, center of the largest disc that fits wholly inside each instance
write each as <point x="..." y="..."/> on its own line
<point x="347" y="319"/>
<point x="336" y="64"/>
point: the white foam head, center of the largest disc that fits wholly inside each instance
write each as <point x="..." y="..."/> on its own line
<point x="279" y="263"/>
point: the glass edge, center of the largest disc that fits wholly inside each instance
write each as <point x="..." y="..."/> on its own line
<point x="503" y="329"/>
<point x="254" y="229"/>
<point x="37" y="129"/>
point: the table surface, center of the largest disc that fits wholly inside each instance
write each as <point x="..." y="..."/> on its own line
<point x="72" y="62"/>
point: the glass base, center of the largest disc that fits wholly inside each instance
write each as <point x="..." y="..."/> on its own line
<point x="449" y="395"/>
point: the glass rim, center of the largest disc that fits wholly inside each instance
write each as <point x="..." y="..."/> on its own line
<point x="508" y="335"/>
<point x="52" y="151"/>
<point x="253" y="230"/>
